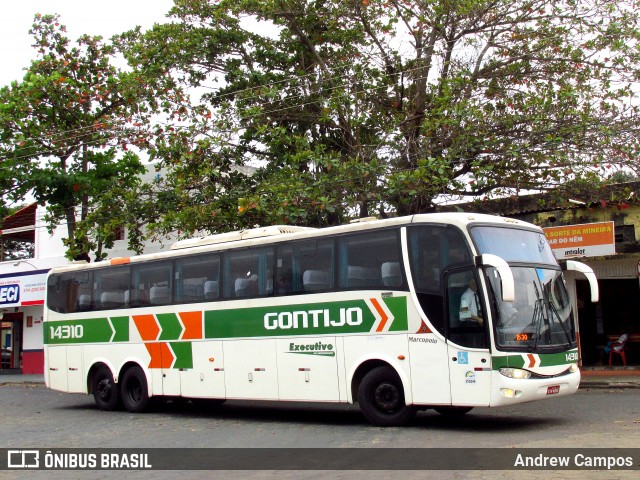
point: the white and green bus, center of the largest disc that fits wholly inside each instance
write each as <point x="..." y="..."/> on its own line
<point x="443" y="311"/>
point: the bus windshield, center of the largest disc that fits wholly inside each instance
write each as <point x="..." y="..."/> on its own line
<point x="514" y="245"/>
<point x="540" y="318"/>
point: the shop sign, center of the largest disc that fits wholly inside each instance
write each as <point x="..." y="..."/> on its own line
<point x="22" y="290"/>
<point x="9" y="294"/>
<point x="583" y="240"/>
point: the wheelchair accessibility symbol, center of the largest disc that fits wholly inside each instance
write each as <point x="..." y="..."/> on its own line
<point x="463" y="358"/>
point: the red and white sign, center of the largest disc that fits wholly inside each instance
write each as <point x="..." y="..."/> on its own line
<point x="23" y="290"/>
<point x="583" y="240"/>
<point x="553" y="389"/>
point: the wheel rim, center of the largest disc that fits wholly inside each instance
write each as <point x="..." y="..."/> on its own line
<point x="104" y="389"/>
<point x="387" y="397"/>
<point x="134" y="389"/>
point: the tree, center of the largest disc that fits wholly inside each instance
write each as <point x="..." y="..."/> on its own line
<point x="67" y="125"/>
<point x="385" y="105"/>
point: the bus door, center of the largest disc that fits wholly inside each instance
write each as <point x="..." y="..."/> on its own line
<point x="467" y="344"/>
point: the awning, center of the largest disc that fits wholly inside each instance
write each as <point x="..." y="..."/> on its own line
<point x="21" y="225"/>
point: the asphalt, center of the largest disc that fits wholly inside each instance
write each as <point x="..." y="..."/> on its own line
<point x="592" y="377"/>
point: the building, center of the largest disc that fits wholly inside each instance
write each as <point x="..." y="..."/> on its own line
<point x="23" y="283"/>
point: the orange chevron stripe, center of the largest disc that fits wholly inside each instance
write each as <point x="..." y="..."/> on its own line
<point x="532" y="360"/>
<point x="380" y="311"/>
<point x="161" y="355"/>
<point x="192" y="325"/>
<point x="147" y="327"/>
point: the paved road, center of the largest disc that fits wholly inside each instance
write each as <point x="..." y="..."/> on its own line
<point x="32" y="416"/>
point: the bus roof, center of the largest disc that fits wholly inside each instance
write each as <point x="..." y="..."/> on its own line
<point x="279" y="233"/>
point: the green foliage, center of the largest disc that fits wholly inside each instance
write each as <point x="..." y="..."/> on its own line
<point x="314" y="112"/>
<point x="66" y="124"/>
<point x="371" y="106"/>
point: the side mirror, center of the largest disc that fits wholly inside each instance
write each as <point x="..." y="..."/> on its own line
<point x="586" y="270"/>
<point x="504" y="270"/>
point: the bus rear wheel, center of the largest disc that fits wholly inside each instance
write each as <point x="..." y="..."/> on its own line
<point x="105" y="389"/>
<point x="135" y="395"/>
<point x="381" y="398"/>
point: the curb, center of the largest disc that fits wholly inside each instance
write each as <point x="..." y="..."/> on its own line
<point x="21" y="384"/>
<point x="605" y="385"/>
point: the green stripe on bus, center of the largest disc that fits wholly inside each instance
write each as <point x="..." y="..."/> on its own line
<point x="183" y="354"/>
<point x="398" y="307"/>
<point x="121" y="327"/>
<point x="170" y="326"/>
<point x="564" y="358"/>
<point x="542" y="360"/>
<point x="94" y="330"/>
<point x="353" y="316"/>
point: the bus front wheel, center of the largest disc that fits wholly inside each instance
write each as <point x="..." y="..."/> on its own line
<point x="381" y="398"/>
<point x="135" y="396"/>
<point x="105" y="389"/>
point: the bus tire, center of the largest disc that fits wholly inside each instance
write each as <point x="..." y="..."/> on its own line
<point x="133" y="387"/>
<point x="381" y="398"/>
<point x="105" y="390"/>
<point x="453" y="411"/>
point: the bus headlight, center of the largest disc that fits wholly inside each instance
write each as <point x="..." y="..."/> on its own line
<point x="515" y="373"/>
<point x="574" y="368"/>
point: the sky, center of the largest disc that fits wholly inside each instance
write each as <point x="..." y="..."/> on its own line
<point x="92" y="17"/>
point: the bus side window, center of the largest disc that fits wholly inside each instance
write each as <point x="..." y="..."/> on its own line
<point x="313" y="265"/>
<point x="195" y="278"/>
<point x="248" y="273"/>
<point x="111" y="286"/>
<point x="85" y="292"/>
<point x="362" y="256"/>
<point x="152" y="284"/>
<point x="466" y="315"/>
<point x="432" y="250"/>
<point x="63" y="293"/>
<point x="286" y="282"/>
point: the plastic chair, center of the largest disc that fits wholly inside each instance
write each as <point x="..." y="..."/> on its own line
<point x="618" y="348"/>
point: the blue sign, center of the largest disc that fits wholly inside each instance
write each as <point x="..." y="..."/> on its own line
<point x="463" y="357"/>
<point x="9" y="294"/>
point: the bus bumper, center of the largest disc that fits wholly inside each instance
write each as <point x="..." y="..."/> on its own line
<point x="509" y="391"/>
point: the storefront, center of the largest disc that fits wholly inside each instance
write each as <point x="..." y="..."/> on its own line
<point x="617" y="313"/>
<point x="22" y="295"/>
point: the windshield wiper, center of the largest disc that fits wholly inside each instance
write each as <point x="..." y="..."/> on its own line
<point x="537" y="318"/>
<point x="564" y="329"/>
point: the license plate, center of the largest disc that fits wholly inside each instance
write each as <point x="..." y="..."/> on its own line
<point x="553" y="389"/>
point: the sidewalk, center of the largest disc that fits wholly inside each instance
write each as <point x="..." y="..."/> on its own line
<point x="610" y="377"/>
<point x="19" y="379"/>
<point x="592" y="377"/>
